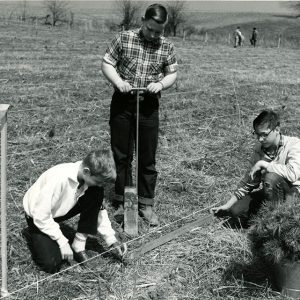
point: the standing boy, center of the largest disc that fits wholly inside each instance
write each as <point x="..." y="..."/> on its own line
<point x="238" y="37"/>
<point x="60" y="193"/>
<point x="253" y="39"/>
<point x="275" y="165"/>
<point x="139" y="58"/>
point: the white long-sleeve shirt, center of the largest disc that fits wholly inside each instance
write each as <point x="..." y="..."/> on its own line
<point x="54" y="194"/>
<point x="286" y="163"/>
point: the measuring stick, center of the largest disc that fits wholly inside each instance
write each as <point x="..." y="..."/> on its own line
<point x="201" y="222"/>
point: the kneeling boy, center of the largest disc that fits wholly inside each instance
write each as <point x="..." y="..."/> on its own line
<point x="275" y="166"/>
<point x="60" y="193"/>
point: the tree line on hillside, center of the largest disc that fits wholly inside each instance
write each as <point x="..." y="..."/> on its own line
<point x="129" y="12"/>
<point x="59" y="12"/>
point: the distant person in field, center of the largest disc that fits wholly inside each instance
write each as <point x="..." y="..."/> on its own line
<point x="238" y="37"/>
<point x="254" y="36"/>
<point x="274" y="171"/>
<point x="59" y="194"/>
<point x="140" y="58"/>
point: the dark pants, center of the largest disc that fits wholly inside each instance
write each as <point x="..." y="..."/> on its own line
<point x="240" y="41"/>
<point x="123" y="138"/>
<point x="45" y="251"/>
<point x="275" y="189"/>
<point x="253" y="42"/>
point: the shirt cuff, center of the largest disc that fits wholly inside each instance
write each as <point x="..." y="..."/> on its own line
<point x="270" y="167"/>
<point x="104" y="228"/>
<point x="109" y="240"/>
<point x="62" y="241"/>
<point x="171" y="69"/>
<point x="108" y="60"/>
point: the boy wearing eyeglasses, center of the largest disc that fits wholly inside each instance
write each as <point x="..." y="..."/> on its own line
<point x="274" y="172"/>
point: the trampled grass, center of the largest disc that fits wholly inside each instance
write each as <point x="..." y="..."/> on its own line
<point x="52" y="79"/>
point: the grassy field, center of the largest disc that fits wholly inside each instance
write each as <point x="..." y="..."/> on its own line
<point x="52" y="79"/>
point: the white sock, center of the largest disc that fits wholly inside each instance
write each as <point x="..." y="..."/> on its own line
<point x="79" y="242"/>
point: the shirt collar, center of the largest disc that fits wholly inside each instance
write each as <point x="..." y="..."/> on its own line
<point x="280" y="141"/>
<point x="156" y="43"/>
<point x="74" y="172"/>
<point x="273" y="154"/>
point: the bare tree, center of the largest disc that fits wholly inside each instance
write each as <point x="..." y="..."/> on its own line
<point x="57" y="10"/>
<point x="24" y="8"/>
<point x="128" y="10"/>
<point x="296" y="5"/>
<point x="292" y="5"/>
<point x="176" y="15"/>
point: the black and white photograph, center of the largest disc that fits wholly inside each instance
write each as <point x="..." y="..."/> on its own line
<point x="150" y="150"/>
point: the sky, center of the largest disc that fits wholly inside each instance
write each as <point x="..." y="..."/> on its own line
<point x="229" y="6"/>
<point x="216" y="6"/>
<point x="200" y="5"/>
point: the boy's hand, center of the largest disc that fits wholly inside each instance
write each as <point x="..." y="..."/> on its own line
<point x="119" y="250"/>
<point x="154" y="87"/>
<point x="221" y="211"/>
<point x="225" y="209"/>
<point x="66" y="252"/>
<point x="124" y="87"/>
<point x="259" y="166"/>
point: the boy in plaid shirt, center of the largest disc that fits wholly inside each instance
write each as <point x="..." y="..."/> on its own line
<point x="139" y="58"/>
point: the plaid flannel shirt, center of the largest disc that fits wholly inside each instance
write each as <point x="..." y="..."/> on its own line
<point x="139" y="61"/>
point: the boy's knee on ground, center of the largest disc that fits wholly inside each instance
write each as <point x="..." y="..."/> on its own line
<point x="51" y="265"/>
<point x="271" y="180"/>
<point x="46" y="253"/>
<point x="273" y="185"/>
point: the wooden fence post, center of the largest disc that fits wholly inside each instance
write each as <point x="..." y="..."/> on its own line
<point x="36" y="31"/>
<point x="3" y="122"/>
<point x="206" y="37"/>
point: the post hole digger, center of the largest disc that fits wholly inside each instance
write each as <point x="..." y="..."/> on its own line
<point x="131" y="192"/>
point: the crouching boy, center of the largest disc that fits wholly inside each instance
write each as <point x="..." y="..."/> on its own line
<point x="274" y="171"/>
<point x="59" y="194"/>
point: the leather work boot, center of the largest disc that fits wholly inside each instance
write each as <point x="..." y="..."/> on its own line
<point x="80" y="257"/>
<point x="148" y="214"/>
<point x="119" y="214"/>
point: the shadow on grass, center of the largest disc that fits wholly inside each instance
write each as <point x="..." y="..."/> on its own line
<point x="253" y="277"/>
<point x="243" y="277"/>
<point x="257" y="271"/>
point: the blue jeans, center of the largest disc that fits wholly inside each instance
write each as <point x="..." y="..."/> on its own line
<point x="275" y="189"/>
<point x="123" y="138"/>
<point x="45" y="251"/>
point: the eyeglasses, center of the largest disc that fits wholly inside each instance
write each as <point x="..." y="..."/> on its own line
<point x="263" y="135"/>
